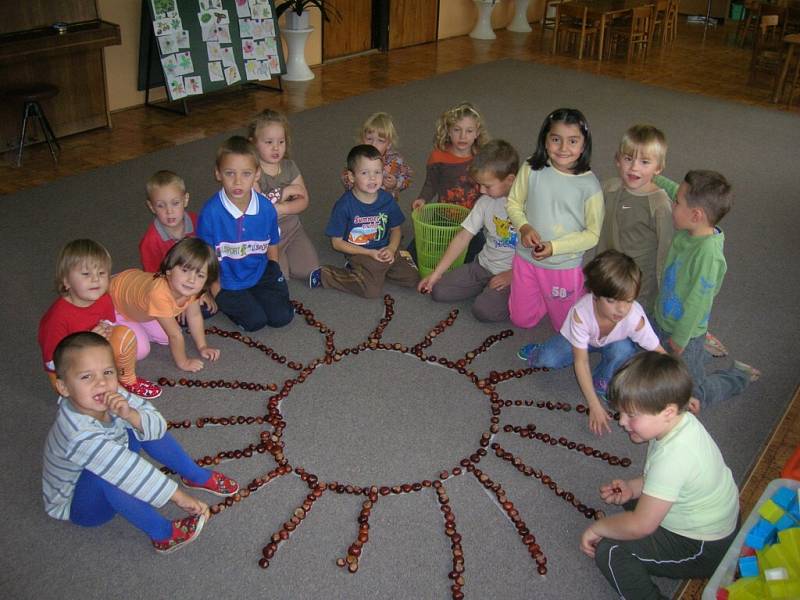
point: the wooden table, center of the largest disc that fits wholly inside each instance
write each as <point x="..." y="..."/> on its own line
<point x="606" y="10"/>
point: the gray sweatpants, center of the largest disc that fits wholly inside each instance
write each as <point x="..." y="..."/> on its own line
<point x="472" y="281"/>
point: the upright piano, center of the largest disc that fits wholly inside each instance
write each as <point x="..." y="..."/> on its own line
<point x="33" y="51"/>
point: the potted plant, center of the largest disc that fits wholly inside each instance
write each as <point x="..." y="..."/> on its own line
<point x="297" y="16"/>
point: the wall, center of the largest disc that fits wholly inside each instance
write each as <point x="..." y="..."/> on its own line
<point x="122" y="62"/>
<point x="457" y="17"/>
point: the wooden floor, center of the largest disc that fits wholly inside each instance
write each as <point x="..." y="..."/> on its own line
<point x="712" y="66"/>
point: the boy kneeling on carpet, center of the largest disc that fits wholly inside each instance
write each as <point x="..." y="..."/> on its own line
<point x="681" y="514"/>
<point x="92" y="468"/>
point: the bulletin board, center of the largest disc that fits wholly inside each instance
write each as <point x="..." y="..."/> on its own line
<point x="196" y="46"/>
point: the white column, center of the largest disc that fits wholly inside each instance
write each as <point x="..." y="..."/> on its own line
<point x="296" y="66"/>
<point x="520" y="21"/>
<point x="483" y="28"/>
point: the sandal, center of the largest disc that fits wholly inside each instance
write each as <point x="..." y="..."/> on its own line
<point x="713" y="346"/>
<point x="752" y="373"/>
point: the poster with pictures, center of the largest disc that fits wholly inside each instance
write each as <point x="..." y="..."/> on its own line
<point x="205" y="45"/>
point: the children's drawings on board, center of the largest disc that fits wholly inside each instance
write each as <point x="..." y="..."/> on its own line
<point x="215" y="72"/>
<point x="232" y="75"/>
<point x="193" y="85"/>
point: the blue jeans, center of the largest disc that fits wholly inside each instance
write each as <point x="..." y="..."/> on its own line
<point x="95" y="501"/>
<point x="708" y="389"/>
<point x="266" y="303"/>
<point x="556" y="353"/>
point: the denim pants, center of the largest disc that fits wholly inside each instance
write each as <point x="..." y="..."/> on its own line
<point x="556" y="353"/>
<point x="95" y="501"/>
<point x="266" y="303"/>
<point x="708" y="389"/>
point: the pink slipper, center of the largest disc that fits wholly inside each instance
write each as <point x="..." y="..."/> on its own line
<point x="713" y="346"/>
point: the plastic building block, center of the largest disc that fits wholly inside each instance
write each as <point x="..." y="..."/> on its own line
<point x="747" y="588"/>
<point x="762" y="533"/>
<point x="788" y="590"/>
<point x="785" y="522"/>
<point x="784" y="497"/>
<point x="776" y="574"/>
<point x="747" y="551"/>
<point x="771" y="511"/>
<point x="748" y="566"/>
<point x="722" y="594"/>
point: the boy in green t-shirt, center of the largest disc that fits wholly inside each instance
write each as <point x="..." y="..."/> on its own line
<point x="692" y="277"/>
<point x="682" y="513"/>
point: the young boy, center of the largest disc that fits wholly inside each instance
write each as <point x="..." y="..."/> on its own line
<point x="167" y="199"/>
<point x="242" y="227"/>
<point x="488" y="278"/>
<point x="92" y="468"/>
<point x="365" y="226"/>
<point x="693" y="272"/>
<point x="684" y="509"/>
<point x="638" y="212"/>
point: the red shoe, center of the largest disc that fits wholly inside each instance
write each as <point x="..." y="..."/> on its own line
<point x="218" y="484"/>
<point x="143" y="388"/>
<point x="184" y="531"/>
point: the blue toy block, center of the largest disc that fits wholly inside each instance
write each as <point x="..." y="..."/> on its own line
<point x="785" y="522"/>
<point x="784" y="497"/>
<point x="762" y="533"/>
<point x="748" y="566"/>
<point x="794" y="508"/>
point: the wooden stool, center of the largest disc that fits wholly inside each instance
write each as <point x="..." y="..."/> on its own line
<point x="30" y="96"/>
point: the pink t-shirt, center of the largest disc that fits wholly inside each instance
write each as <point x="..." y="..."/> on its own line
<point x="587" y="332"/>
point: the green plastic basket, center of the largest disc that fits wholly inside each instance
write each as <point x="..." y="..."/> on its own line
<point x="435" y="226"/>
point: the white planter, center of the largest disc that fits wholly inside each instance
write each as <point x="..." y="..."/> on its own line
<point x="483" y="28"/>
<point x="296" y="65"/>
<point x="295" y="21"/>
<point x="520" y="21"/>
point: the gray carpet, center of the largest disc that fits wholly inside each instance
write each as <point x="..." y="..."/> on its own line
<point x="383" y="417"/>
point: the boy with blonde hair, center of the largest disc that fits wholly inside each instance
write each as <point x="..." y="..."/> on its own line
<point x="638" y="219"/>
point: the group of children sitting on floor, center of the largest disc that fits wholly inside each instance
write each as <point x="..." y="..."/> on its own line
<point x="651" y="286"/>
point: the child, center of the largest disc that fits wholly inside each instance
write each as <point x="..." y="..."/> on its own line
<point x="378" y="130"/>
<point x="459" y="135"/>
<point x="556" y="204"/>
<point x="365" y="226"/>
<point x="242" y="227"/>
<point x="148" y="303"/>
<point x="607" y="320"/>
<point x="283" y="184"/>
<point x="488" y="279"/>
<point x="167" y="199"/>
<point x="92" y="468"/>
<point x="84" y="305"/>
<point x="638" y="219"/>
<point x="681" y="515"/>
<point x="693" y="274"/>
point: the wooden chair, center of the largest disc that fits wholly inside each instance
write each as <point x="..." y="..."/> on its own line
<point x="665" y="22"/>
<point x="549" y="23"/>
<point x="572" y="25"/>
<point x="767" y="46"/>
<point x="635" y="32"/>
<point x="749" y="22"/>
<point x="792" y="42"/>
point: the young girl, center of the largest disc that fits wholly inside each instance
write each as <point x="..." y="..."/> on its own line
<point x="283" y="184"/>
<point x="84" y="304"/>
<point x="148" y="303"/>
<point x="378" y="130"/>
<point x="607" y="320"/>
<point x="556" y="204"/>
<point x="460" y="133"/>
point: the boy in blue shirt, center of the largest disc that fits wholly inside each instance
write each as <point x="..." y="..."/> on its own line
<point x="242" y="227"/>
<point x="365" y="226"/>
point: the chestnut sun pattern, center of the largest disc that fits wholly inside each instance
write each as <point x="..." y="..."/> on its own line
<point x="271" y="443"/>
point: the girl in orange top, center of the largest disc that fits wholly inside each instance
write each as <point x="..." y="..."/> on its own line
<point x="148" y="303"/>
